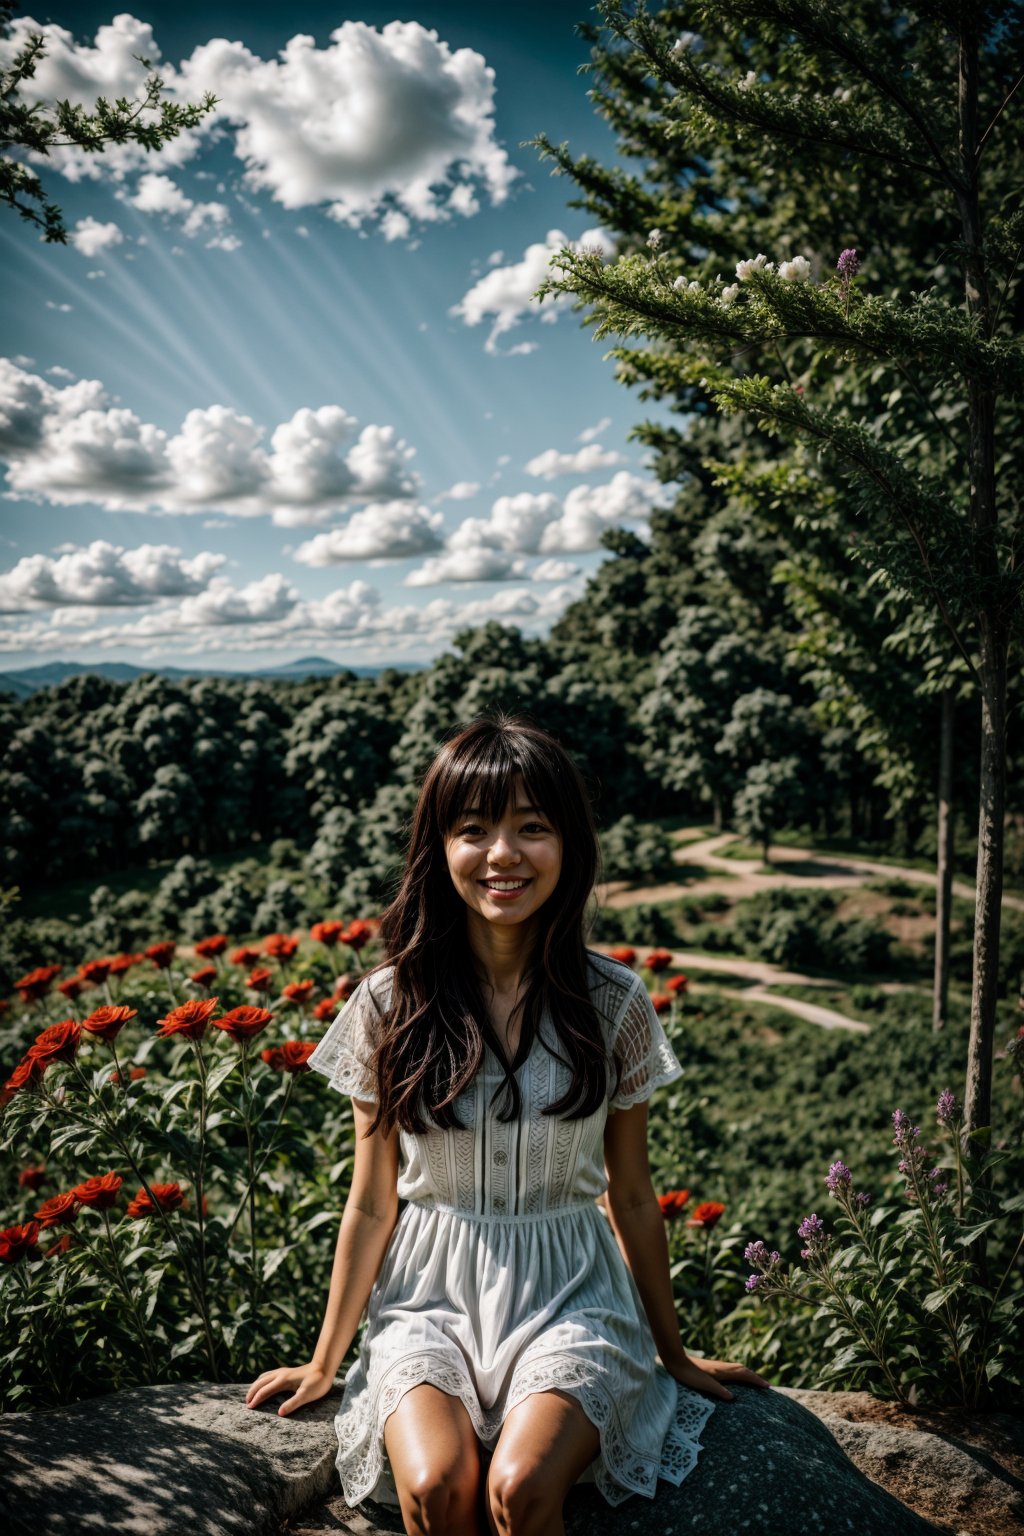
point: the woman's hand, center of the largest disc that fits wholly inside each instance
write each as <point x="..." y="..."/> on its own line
<point x="305" y="1382"/>
<point x="710" y="1375"/>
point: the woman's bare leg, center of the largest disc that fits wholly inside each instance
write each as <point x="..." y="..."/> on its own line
<point x="545" y="1443"/>
<point x="435" y="1461"/>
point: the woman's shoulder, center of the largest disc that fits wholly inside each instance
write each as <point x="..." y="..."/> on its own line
<point x="376" y="982"/>
<point x="612" y="984"/>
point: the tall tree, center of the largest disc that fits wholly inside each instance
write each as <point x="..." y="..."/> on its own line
<point x="874" y="109"/>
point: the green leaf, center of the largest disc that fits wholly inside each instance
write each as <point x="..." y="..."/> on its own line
<point x="184" y="1346"/>
<point x="969" y="1234"/>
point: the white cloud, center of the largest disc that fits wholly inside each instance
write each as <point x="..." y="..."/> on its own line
<point x="72" y="445"/>
<point x="158" y="194"/>
<point x="550" y="464"/>
<point x="553" y="570"/>
<point x="104" y="575"/>
<point x="65" y="309"/>
<point x="506" y="293"/>
<point x="59" y="372"/>
<point x="529" y="523"/>
<point x="259" y="602"/>
<point x="81" y="72"/>
<point x="388" y="126"/>
<point x="263" y="616"/>
<point x="393" y="530"/>
<point x="474" y="563"/>
<point x="589" y="433"/>
<point x="89" y="236"/>
<point x="462" y="490"/>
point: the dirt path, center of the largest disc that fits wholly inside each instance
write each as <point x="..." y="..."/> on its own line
<point x="799" y="867"/>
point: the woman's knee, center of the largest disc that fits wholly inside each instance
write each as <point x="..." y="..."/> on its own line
<point x="520" y="1496"/>
<point x="438" y="1496"/>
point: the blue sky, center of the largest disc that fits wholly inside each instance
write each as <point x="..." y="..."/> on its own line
<point x="285" y="391"/>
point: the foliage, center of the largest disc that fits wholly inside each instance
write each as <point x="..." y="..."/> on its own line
<point x="636" y="851"/>
<point x="908" y="1317"/>
<point x="38" y="128"/>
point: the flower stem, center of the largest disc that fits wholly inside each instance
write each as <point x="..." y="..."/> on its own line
<point x="125" y="1149"/>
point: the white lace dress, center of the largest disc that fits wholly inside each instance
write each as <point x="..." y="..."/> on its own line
<point x="502" y="1276"/>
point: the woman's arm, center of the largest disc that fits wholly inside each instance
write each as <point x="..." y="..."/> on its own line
<point x="367" y="1224"/>
<point x="639" y="1226"/>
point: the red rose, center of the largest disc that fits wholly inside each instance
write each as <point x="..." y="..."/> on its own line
<point x="215" y="945"/>
<point x="107" y="1022"/>
<point x="161" y="954"/>
<point x="35" y="984"/>
<point x="100" y="1192"/>
<point x="358" y="933"/>
<point x="298" y="991"/>
<point x="168" y="1197"/>
<point x="57" y="1043"/>
<point x="706" y="1214"/>
<point x="672" y="1202"/>
<point x="280" y="945"/>
<point x="244" y="1022"/>
<point x="245" y="956"/>
<point x="95" y="971"/>
<point x="328" y="932"/>
<point x="19" y="1242"/>
<point x="121" y="963"/>
<point x="58" y="1211"/>
<point x="28" y="1070"/>
<point x="289" y="1057"/>
<point x="189" y="1019"/>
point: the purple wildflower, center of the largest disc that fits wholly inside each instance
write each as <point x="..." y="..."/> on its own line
<point x="811" y="1226"/>
<point x="905" y="1132"/>
<point x="937" y="1189"/>
<point x="838" y="1179"/>
<point x="756" y="1253"/>
<point x="752" y="1282"/>
<point x="847" y="264"/>
<point x="861" y="1198"/>
<point x="947" y="1109"/>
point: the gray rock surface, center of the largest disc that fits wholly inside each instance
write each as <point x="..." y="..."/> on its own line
<point x="171" y="1460"/>
<point x="160" y="1460"/>
<point x="965" y="1471"/>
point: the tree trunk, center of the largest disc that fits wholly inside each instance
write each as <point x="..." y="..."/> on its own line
<point x="989" y="893"/>
<point x="944" y="864"/>
<point x="992" y="625"/>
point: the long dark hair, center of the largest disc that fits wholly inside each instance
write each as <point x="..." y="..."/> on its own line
<point x="430" y="1037"/>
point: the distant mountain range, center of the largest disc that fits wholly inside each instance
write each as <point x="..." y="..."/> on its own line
<point x="27" y="679"/>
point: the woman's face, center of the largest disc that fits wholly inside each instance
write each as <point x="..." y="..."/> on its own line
<point x="522" y="850"/>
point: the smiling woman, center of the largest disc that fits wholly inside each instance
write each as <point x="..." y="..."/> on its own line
<point x="505" y="1326"/>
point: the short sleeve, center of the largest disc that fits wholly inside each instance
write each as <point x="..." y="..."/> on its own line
<point x="343" y="1054"/>
<point x="648" y="1059"/>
